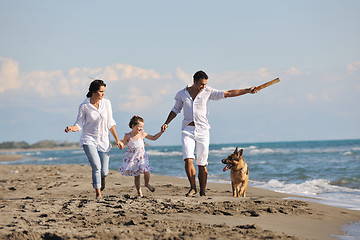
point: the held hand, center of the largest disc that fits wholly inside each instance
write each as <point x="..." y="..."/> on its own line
<point x="120" y="145"/>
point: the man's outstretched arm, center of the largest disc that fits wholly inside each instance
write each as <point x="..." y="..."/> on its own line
<point x="238" y="92"/>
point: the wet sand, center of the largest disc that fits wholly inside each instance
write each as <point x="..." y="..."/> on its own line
<point x="58" y="202"/>
<point x="10" y="158"/>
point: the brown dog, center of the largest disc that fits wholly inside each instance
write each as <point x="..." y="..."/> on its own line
<point x="239" y="172"/>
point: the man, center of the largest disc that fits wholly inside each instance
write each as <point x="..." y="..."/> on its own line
<point x="195" y="127"/>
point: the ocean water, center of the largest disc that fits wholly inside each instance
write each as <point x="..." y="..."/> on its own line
<point x="327" y="171"/>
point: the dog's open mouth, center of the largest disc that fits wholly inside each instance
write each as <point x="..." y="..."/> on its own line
<point x="227" y="167"/>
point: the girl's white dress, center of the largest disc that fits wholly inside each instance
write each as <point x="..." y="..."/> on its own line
<point x="136" y="160"/>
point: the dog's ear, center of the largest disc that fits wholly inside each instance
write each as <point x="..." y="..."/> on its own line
<point x="241" y="152"/>
<point x="236" y="150"/>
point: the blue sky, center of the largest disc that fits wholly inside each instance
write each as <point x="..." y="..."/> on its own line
<point x="148" y="50"/>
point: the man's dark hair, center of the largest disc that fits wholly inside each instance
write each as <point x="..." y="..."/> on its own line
<point x="200" y="75"/>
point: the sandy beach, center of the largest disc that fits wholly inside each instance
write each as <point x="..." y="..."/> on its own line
<point x="58" y="202"/>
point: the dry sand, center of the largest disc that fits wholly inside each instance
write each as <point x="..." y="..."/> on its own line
<point x="58" y="202"/>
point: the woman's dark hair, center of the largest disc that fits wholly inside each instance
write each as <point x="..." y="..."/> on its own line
<point x="200" y="75"/>
<point x="135" y="120"/>
<point x="95" y="86"/>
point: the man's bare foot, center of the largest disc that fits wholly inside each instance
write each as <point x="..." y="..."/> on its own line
<point x="151" y="188"/>
<point x="191" y="192"/>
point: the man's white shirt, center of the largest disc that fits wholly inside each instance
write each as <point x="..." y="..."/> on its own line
<point x="196" y="110"/>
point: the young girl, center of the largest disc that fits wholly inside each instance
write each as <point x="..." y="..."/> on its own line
<point x="136" y="160"/>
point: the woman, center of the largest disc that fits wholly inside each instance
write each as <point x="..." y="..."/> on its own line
<point x="95" y="119"/>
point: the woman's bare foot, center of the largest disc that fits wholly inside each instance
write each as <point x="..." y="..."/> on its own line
<point x="151" y="188"/>
<point x="98" y="193"/>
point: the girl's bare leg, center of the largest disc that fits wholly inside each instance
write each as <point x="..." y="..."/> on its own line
<point x="147" y="179"/>
<point x="137" y="185"/>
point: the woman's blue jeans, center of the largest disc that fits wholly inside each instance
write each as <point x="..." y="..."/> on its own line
<point x="99" y="162"/>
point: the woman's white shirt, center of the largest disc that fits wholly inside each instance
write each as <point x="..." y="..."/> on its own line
<point x="95" y="124"/>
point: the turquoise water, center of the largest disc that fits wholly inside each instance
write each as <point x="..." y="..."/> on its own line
<point x="326" y="170"/>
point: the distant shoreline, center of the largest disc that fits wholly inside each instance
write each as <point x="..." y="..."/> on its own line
<point x="38" y="149"/>
<point x="12" y="154"/>
<point x="11" y="158"/>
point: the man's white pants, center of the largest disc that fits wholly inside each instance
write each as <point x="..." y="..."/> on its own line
<point x="194" y="140"/>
